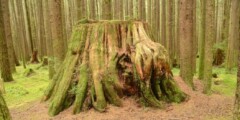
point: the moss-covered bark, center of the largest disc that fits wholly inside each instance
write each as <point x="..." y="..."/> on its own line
<point x="2" y="89"/>
<point x="4" y="112"/>
<point x="236" y="110"/>
<point x="107" y="60"/>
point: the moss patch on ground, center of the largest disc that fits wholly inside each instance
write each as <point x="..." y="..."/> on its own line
<point x="26" y="89"/>
<point x="227" y="80"/>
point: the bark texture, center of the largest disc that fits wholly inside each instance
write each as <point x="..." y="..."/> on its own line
<point x="4" y="112"/>
<point x="233" y="40"/>
<point x="2" y="89"/>
<point x="236" y="115"/>
<point x="107" y="60"/>
<point x="57" y="32"/>
<point x="6" y="73"/>
<point x="208" y="41"/>
<point x="8" y="35"/>
<point x="186" y="39"/>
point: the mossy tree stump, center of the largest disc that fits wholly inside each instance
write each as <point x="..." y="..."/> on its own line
<point x="107" y="60"/>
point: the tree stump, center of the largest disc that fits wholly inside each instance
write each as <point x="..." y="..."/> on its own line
<point x="34" y="58"/>
<point x="218" y="57"/>
<point x="107" y="60"/>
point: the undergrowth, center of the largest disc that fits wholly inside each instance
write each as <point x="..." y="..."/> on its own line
<point x="225" y="84"/>
<point x="26" y="89"/>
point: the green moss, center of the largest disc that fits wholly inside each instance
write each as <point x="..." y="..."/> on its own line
<point x="81" y="89"/>
<point x="171" y="89"/>
<point x="64" y="84"/>
<point x="228" y="82"/>
<point x="109" y="85"/>
<point x="148" y="96"/>
<point x="26" y="89"/>
<point x="74" y="43"/>
<point x="175" y="71"/>
<point x="227" y="79"/>
<point x="28" y="72"/>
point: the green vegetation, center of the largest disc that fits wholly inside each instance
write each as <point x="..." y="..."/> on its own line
<point x="26" y="89"/>
<point x="227" y="81"/>
<point x="225" y="84"/>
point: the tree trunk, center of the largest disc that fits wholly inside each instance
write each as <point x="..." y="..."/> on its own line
<point x="195" y="45"/>
<point x="21" y="28"/>
<point x="7" y="27"/>
<point x="48" y="38"/>
<point x="233" y="37"/>
<point x="29" y="29"/>
<point x="107" y="10"/>
<point x="186" y="39"/>
<point x="236" y="111"/>
<point x="6" y="73"/>
<point x="109" y="59"/>
<point x="4" y="112"/>
<point x="236" y="115"/>
<point x="57" y="32"/>
<point x="34" y="58"/>
<point x="163" y="23"/>
<point x="226" y="19"/>
<point x="208" y="48"/>
<point x="202" y="39"/>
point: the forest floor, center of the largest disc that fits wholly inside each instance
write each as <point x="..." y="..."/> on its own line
<point x="217" y="106"/>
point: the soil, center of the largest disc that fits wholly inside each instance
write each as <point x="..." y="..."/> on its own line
<point x="198" y="107"/>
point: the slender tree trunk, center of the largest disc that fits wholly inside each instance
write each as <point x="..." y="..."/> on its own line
<point x="236" y="111"/>
<point x="195" y="46"/>
<point x="48" y="38"/>
<point x="163" y="23"/>
<point x="226" y="19"/>
<point x="209" y="39"/>
<point x="236" y="115"/>
<point x="107" y="9"/>
<point x="21" y="31"/>
<point x="28" y="21"/>
<point x="202" y="39"/>
<point x="186" y="39"/>
<point x="177" y="45"/>
<point x="233" y="37"/>
<point x="79" y="9"/>
<point x="14" y="29"/>
<point x="42" y="40"/>
<point x="57" y="32"/>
